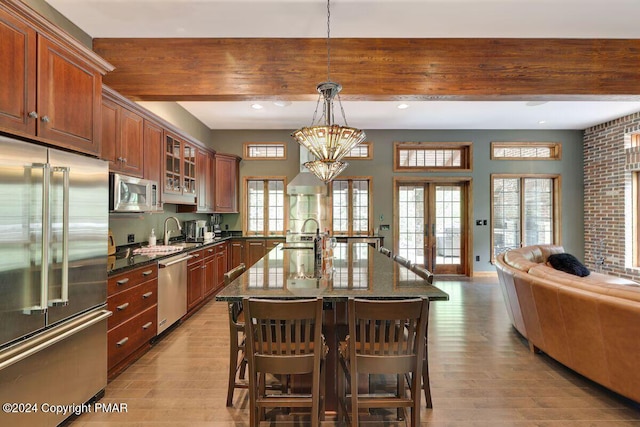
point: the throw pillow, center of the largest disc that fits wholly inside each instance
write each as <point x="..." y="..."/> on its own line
<point x="569" y="264"/>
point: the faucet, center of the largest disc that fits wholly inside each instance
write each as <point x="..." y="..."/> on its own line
<point x="304" y="224"/>
<point x="167" y="233"/>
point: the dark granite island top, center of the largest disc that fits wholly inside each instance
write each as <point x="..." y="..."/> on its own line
<point x="359" y="270"/>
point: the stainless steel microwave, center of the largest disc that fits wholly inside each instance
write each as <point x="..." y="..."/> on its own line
<point x="130" y="194"/>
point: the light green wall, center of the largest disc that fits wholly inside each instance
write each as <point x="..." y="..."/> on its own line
<point x="381" y="168"/>
<point x="58" y="19"/>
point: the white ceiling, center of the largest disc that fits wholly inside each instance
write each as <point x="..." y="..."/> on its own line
<point x="375" y="18"/>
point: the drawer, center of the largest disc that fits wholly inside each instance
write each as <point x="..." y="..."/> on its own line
<point x="210" y="251"/>
<point x="127" y="304"/>
<point x="122" y="282"/>
<point x="131" y="335"/>
<point x="197" y="256"/>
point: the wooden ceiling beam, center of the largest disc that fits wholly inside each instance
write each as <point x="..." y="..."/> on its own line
<point x="182" y="69"/>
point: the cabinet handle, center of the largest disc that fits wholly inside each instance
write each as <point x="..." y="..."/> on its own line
<point x="33" y="115"/>
<point x="122" y="281"/>
<point x="123" y="306"/>
<point x="124" y="160"/>
<point x="45" y="119"/>
<point x="203" y="267"/>
<point x="147" y="295"/>
<point x="147" y="273"/>
<point x="196" y="255"/>
<point x="209" y="250"/>
<point x="122" y="342"/>
<point x="147" y="325"/>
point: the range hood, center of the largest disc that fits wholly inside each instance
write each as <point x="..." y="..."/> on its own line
<point x="306" y="182"/>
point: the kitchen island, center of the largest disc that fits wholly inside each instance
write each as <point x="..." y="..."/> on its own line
<point x="356" y="270"/>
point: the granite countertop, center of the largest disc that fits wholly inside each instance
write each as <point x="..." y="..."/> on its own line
<point x="124" y="258"/>
<point x="358" y="270"/>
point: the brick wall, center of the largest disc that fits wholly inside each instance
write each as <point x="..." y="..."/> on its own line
<point x="608" y="171"/>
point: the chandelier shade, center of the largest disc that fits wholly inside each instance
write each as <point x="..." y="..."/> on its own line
<point x="326" y="170"/>
<point x="331" y="142"/>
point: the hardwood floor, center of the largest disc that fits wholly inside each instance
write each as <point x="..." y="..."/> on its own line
<point x="482" y="374"/>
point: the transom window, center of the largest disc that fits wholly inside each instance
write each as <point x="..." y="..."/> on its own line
<point x="265" y="212"/>
<point x="525" y="211"/>
<point x="362" y="151"/>
<point x="351" y="202"/>
<point x="265" y="150"/>
<point x="526" y="151"/>
<point x="426" y="156"/>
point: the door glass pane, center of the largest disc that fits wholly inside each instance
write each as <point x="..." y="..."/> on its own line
<point x="538" y="211"/>
<point x="276" y="206"/>
<point x="411" y="223"/>
<point x="506" y="214"/>
<point x="360" y="206"/>
<point x="255" y="191"/>
<point x="448" y="225"/>
<point x="340" y="207"/>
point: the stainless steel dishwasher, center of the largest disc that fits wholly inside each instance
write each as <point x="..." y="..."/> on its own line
<point x="172" y="290"/>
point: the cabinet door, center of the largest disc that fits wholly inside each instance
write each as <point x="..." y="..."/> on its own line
<point x="226" y="194"/>
<point x="110" y="126"/>
<point x="172" y="182"/>
<point x="130" y="143"/>
<point x="210" y="275"/>
<point x="222" y="262"/>
<point x="68" y="99"/>
<point x="204" y="181"/>
<point x="255" y="249"/>
<point x="194" y="284"/>
<point x="189" y="169"/>
<point x="17" y="66"/>
<point x="153" y="155"/>
<point x="237" y="253"/>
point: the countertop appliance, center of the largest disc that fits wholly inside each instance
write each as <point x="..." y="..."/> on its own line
<point x="53" y="279"/>
<point x="172" y="290"/>
<point x="131" y="194"/>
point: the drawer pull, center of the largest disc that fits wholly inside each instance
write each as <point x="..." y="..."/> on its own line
<point x="196" y="255"/>
<point x="123" y="281"/>
<point x="123" y="306"/>
<point x="147" y="295"/>
<point x="147" y="325"/>
<point x="122" y="342"/>
<point x="209" y="250"/>
<point x="147" y="273"/>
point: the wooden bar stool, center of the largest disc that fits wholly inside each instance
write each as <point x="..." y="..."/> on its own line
<point x="285" y="338"/>
<point x="237" y="360"/>
<point x="385" y="337"/>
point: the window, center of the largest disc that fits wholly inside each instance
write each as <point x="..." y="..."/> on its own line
<point x="351" y="202"/>
<point x="526" y="151"/>
<point x="525" y="211"/>
<point x="265" y="151"/>
<point x="432" y="156"/>
<point x="362" y="151"/>
<point x="265" y="211"/>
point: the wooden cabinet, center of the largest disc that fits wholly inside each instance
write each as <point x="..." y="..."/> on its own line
<point x="133" y="298"/>
<point x="122" y="135"/>
<point x="153" y="155"/>
<point x="179" y="184"/>
<point x="210" y="276"/>
<point x="195" y="275"/>
<point x="50" y="86"/>
<point x="254" y="250"/>
<point x="226" y="183"/>
<point x="237" y="253"/>
<point x="205" y="169"/>
<point x="222" y="261"/>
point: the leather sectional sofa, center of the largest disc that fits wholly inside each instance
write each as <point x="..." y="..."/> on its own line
<point x="590" y="324"/>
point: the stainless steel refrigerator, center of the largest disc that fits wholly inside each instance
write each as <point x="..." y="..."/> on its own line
<point x="53" y="253"/>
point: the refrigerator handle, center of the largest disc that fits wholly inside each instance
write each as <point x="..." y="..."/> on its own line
<point x="44" y="273"/>
<point x="64" y="290"/>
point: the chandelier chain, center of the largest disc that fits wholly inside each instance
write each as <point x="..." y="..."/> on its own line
<point x="328" y="41"/>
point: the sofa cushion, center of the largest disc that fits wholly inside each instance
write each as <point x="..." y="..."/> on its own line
<point x="548" y="250"/>
<point x="523" y="258"/>
<point x="568" y="263"/>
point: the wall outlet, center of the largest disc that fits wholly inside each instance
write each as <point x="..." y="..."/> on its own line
<point x="131" y="238"/>
<point x="477" y="258"/>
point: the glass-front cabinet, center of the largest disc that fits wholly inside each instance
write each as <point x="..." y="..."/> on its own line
<point x="179" y="184"/>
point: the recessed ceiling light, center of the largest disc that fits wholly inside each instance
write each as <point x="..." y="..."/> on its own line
<point x="403" y="106"/>
<point x="541" y="122"/>
<point x="257" y="106"/>
<point x="281" y="103"/>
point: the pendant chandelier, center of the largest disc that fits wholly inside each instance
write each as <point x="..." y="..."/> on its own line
<point x="328" y="142"/>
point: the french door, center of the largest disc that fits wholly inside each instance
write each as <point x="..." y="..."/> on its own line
<point x="431" y="224"/>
